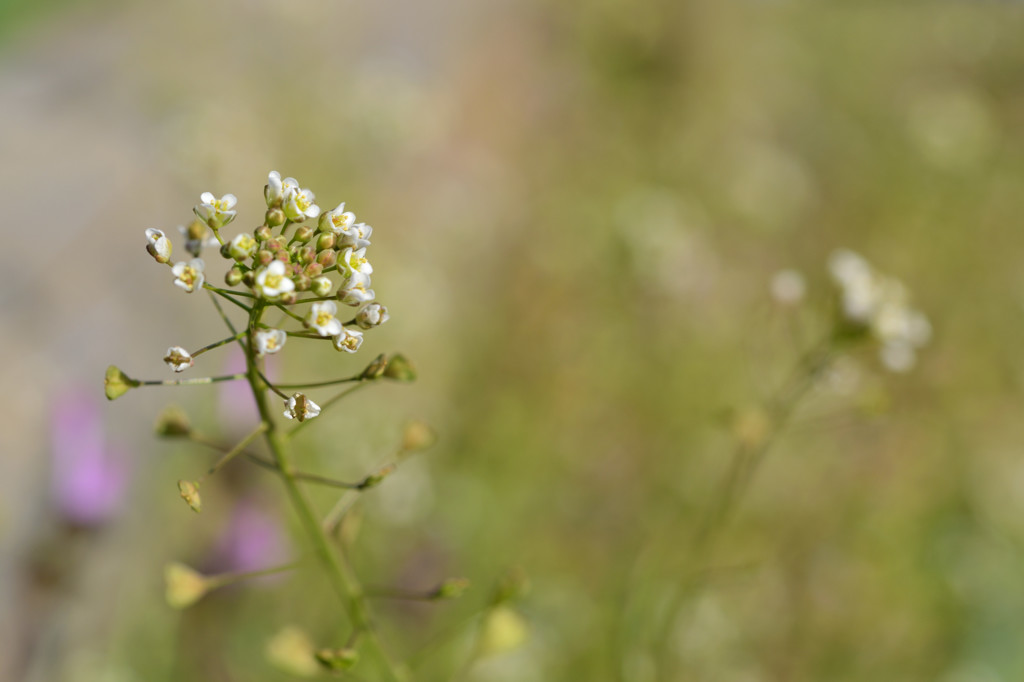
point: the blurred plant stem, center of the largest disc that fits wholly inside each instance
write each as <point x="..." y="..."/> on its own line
<point x="750" y="452"/>
<point x="341" y="576"/>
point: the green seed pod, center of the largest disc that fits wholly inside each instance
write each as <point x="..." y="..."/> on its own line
<point x="172" y="423"/>
<point x="400" y="369"/>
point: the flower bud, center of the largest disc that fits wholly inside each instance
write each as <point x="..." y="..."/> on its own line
<point x="189" y="491"/>
<point x="275" y="218"/>
<point x="234" y="276"/>
<point x="503" y="630"/>
<point x="292" y="651"/>
<point x="289" y="298"/>
<point x="375" y="368"/>
<point x="303" y="234"/>
<point x="116" y="383"/>
<point x="172" y="423"/>
<point x="417" y="436"/>
<point x="262" y="233"/>
<point x="264" y="256"/>
<point x="302" y="281"/>
<point x="276" y="244"/>
<point x="314" y="270"/>
<point x="325" y="241"/>
<point x="321" y="286"/>
<point x="225" y="250"/>
<point x="338" y="659"/>
<point x="185" y="586"/>
<point x="327" y="258"/>
<point x="400" y="369"/>
<point x="249" y="278"/>
<point x="196" y="231"/>
<point x="306" y="255"/>
<point x="452" y="588"/>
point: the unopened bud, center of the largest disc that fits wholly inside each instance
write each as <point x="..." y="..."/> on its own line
<point x="276" y="244"/>
<point x="184" y="586"/>
<point x="321" y="286"/>
<point x="374" y="479"/>
<point x="302" y="281"/>
<point x="262" y="233"/>
<point x="325" y="241"/>
<point x="418" y="436"/>
<point x="400" y="369"/>
<point x="376" y="368"/>
<point x="292" y="651"/>
<point x="189" y="491"/>
<point x="249" y="279"/>
<point x="225" y="250"/>
<point x="303" y="234"/>
<point x="452" y="588"/>
<point x="306" y="255"/>
<point x="264" y="257"/>
<point x="196" y="231"/>
<point x="503" y="630"/>
<point x="313" y="270"/>
<point x="289" y="298"/>
<point x="116" y="383"/>
<point x="275" y="217"/>
<point x="234" y="277"/>
<point x="327" y="258"/>
<point x="173" y="423"/>
<point x="338" y="659"/>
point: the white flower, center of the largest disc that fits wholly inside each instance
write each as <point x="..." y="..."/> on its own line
<point x="337" y="220"/>
<point x="348" y="340"/>
<point x="355" y="290"/>
<point x="300" y="407"/>
<point x="189" y="276"/>
<point x="321" y="286"/>
<point x="357" y="236"/>
<point x="898" y="356"/>
<point x="242" y="247"/>
<point x="197" y="235"/>
<point x="372" y="315"/>
<point x="216" y="212"/>
<point x="353" y="261"/>
<point x="178" y="358"/>
<point x="270" y="341"/>
<point x="321" y="318"/>
<point x="271" y="281"/>
<point x="298" y="203"/>
<point x="274" y="191"/>
<point x="158" y="246"/>
<point x="788" y="287"/>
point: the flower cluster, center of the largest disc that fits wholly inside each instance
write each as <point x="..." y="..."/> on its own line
<point x="285" y="263"/>
<point x="880" y="305"/>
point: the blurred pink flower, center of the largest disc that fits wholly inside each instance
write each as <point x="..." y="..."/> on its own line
<point x="89" y="479"/>
<point x="253" y="539"/>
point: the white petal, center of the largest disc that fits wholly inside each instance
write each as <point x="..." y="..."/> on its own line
<point x="207" y="198"/>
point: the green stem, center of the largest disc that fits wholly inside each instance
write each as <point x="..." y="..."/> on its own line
<point x="222" y="579"/>
<point x="339" y="573"/>
<point x="224" y="294"/>
<point x="238" y="449"/>
<point x="218" y="344"/>
<point x="331" y="401"/>
<point x="194" y="382"/>
<point x="317" y="384"/>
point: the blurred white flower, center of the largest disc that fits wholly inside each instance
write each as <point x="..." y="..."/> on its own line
<point x="216" y="212"/>
<point x="321" y="318"/>
<point x="158" y="245"/>
<point x="882" y="305"/>
<point x="189" y="276"/>
<point x="271" y="281"/>
<point x="274" y="191"/>
<point x="269" y="341"/>
<point x="301" y="408"/>
<point x="348" y="340"/>
<point x="178" y="358"/>
<point x="788" y="287"/>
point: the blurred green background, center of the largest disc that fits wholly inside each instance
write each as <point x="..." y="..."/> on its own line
<point x="578" y="208"/>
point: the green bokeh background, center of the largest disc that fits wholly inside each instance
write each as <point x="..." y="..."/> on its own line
<point x="578" y="208"/>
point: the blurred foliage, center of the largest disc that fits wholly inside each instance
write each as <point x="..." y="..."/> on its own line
<point x="578" y="207"/>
